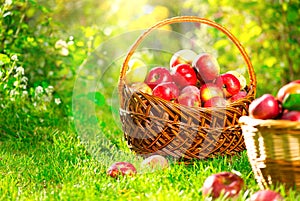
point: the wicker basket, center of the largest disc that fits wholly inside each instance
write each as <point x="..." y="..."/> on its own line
<point x="152" y="125"/>
<point x="273" y="148"/>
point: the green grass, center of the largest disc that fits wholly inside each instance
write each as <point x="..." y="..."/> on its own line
<point x="60" y="167"/>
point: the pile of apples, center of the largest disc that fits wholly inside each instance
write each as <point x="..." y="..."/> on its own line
<point x="285" y="105"/>
<point x="191" y="79"/>
<point x="223" y="184"/>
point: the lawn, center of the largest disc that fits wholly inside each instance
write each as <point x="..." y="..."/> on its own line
<point x="51" y="163"/>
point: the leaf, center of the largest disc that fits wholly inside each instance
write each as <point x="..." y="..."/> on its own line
<point x="4" y="59"/>
<point x="292" y="102"/>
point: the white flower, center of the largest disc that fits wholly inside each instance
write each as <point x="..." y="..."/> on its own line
<point x="20" y="70"/>
<point x="64" y="51"/>
<point x="8" y="2"/>
<point x="57" y="101"/>
<point x="60" y="44"/>
<point x="14" y="57"/>
<point x="49" y="89"/>
<point x="16" y="83"/>
<point x="24" y="79"/>
<point x="39" y="90"/>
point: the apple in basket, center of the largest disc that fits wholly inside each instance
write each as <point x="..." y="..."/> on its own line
<point x="137" y="71"/>
<point x="121" y="169"/>
<point x="158" y="75"/>
<point x="227" y="184"/>
<point x="141" y="86"/>
<point x="183" y="75"/>
<point x="190" y="96"/>
<point x="206" y="66"/>
<point x="240" y="77"/>
<point x="166" y="90"/>
<point x="210" y="90"/>
<point x="291" y="115"/>
<point x="266" y="195"/>
<point x="229" y="83"/>
<point x="184" y="56"/>
<point x="238" y="96"/>
<point x="265" y="107"/>
<point x="215" y="102"/>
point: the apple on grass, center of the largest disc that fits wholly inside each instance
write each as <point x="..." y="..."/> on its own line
<point x="210" y="90"/>
<point x="184" y="56"/>
<point x="166" y="90"/>
<point x="183" y="75"/>
<point x="227" y="184"/>
<point x="158" y="75"/>
<point x="155" y="162"/>
<point x="190" y="96"/>
<point x="121" y="169"/>
<point x="137" y="71"/>
<point x="229" y="83"/>
<point x="265" y="107"/>
<point x="206" y="66"/>
<point x="266" y="195"/>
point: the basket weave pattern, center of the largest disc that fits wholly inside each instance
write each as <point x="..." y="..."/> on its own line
<point x="273" y="148"/>
<point x="152" y="125"/>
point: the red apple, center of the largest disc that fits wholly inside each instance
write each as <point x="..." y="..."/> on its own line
<point x="183" y="75"/>
<point x="121" y="169"/>
<point x="290" y="88"/>
<point x="291" y="115"/>
<point x="184" y="56"/>
<point x="166" y="90"/>
<point x="190" y="96"/>
<point x="265" y="107"/>
<point x="141" y="86"/>
<point x="229" y="83"/>
<point x="210" y="90"/>
<point x="206" y="67"/>
<point x="266" y="195"/>
<point x="240" y="77"/>
<point x="295" y="81"/>
<point x="225" y="183"/>
<point x="158" y="75"/>
<point x="155" y="162"/>
<point x="238" y="96"/>
<point x="215" y="102"/>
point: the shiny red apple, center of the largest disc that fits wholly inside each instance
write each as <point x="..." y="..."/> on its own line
<point x="210" y="90"/>
<point x="184" y="56"/>
<point x="266" y="195"/>
<point x="190" y="96"/>
<point x="291" y="115"/>
<point x="290" y="88"/>
<point x="229" y="83"/>
<point x="121" y="169"/>
<point x="224" y="183"/>
<point x="215" y="102"/>
<point x="166" y="90"/>
<point x="158" y="75"/>
<point x="237" y="96"/>
<point x="265" y="107"/>
<point x="155" y="162"/>
<point x="183" y="75"/>
<point x="206" y="66"/>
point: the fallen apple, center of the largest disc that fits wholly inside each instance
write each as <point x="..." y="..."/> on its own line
<point x="266" y="195"/>
<point x="206" y="66"/>
<point x="229" y="83"/>
<point x="265" y="107"/>
<point x="155" y="162"/>
<point x="121" y="169"/>
<point x="184" y="56"/>
<point x="224" y="183"/>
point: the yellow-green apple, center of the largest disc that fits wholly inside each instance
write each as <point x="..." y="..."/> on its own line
<point x="265" y="107"/>
<point x="215" y="102"/>
<point x="155" y="162"/>
<point x="166" y="90"/>
<point x="184" y="56"/>
<point x="229" y="83"/>
<point x="237" y="96"/>
<point x="266" y="195"/>
<point x="121" y="169"/>
<point x="190" y="96"/>
<point x="291" y="115"/>
<point x="240" y="77"/>
<point x="210" y="90"/>
<point x="137" y="71"/>
<point x="226" y="184"/>
<point x="206" y="66"/>
<point x="141" y="86"/>
<point x="183" y="75"/>
<point x="158" y="75"/>
<point x="290" y="88"/>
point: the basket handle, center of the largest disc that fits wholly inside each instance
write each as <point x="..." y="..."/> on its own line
<point x="190" y="19"/>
